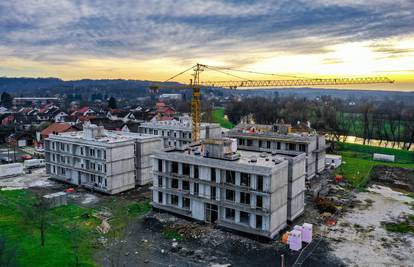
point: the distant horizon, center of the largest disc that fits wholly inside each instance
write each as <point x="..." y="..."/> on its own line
<point x="345" y="87"/>
<point x="144" y="40"/>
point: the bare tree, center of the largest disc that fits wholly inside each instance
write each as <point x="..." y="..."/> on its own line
<point x="76" y="236"/>
<point x="366" y="111"/>
<point x="38" y="215"/>
<point x="8" y="253"/>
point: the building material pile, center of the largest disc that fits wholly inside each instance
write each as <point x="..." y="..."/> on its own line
<point x="56" y="199"/>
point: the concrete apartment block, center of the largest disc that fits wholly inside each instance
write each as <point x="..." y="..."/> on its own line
<point x="216" y="183"/>
<point x="265" y="139"/>
<point x="178" y="133"/>
<point x="105" y="161"/>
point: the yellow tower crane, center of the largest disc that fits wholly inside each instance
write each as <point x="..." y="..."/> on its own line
<point x="196" y="85"/>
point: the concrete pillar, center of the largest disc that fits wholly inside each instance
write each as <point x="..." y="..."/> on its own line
<point x="252" y="221"/>
<point x="237" y="216"/>
<point x="180" y="168"/>
<point x="237" y="196"/>
<point x="180" y="201"/>
<point x="218" y="175"/>
<point x="266" y="183"/>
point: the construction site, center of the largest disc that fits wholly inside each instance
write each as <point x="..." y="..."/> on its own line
<point x="187" y="193"/>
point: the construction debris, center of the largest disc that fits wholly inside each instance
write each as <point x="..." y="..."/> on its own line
<point x="102" y="215"/>
<point x="104" y="228"/>
<point x="187" y="230"/>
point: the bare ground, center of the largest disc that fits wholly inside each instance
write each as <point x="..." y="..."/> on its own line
<point x="144" y="244"/>
<point x="357" y="239"/>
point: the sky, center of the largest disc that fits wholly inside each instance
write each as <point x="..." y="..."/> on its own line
<point x="153" y="40"/>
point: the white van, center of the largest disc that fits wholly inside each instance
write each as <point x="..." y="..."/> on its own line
<point x="34" y="163"/>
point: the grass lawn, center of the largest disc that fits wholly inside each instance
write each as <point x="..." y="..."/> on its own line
<point x="60" y="241"/>
<point x="358" y="161"/>
<point x="218" y="117"/>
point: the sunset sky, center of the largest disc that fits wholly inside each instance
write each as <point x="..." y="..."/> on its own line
<point x="74" y="39"/>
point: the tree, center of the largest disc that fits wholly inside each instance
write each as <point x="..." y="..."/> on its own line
<point x="112" y="103"/>
<point x="76" y="235"/>
<point x="6" y="100"/>
<point x="35" y="212"/>
<point x="8" y="253"/>
<point x="38" y="214"/>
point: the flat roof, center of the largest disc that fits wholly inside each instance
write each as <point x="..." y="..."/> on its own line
<point x="294" y="137"/>
<point x="246" y="157"/>
<point x="110" y="137"/>
<point x="264" y="131"/>
<point x="175" y="125"/>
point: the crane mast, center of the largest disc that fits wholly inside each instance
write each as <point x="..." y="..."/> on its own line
<point x="196" y="103"/>
<point x="196" y="85"/>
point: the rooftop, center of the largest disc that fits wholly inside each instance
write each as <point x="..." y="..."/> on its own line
<point x="266" y="132"/>
<point x="182" y="123"/>
<point x="109" y="137"/>
<point x="57" y="128"/>
<point x="245" y="157"/>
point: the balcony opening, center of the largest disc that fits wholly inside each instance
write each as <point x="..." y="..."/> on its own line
<point x="230" y="214"/>
<point x="259" y="222"/>
<point x="230" y="195"/>
<point x="174" y="167"/>
<point x="259" y="201"/>
<point x="244" y="217"/>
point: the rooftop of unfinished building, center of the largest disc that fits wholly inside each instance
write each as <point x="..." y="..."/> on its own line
<point x="239" y="156"/>
<point x="182" y="122"/>
<point x="105" y="136"/>
<point x="263" y="130"/>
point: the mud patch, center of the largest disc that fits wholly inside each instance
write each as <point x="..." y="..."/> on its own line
<point x="193" y="244"/>
<point x="394" y="177"/>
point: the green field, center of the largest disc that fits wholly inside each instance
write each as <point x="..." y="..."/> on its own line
<point x="355" y="120"/>
<point x="71" y="228"/>
<point x="358" y="162"/>
<point x="218" y="117"/>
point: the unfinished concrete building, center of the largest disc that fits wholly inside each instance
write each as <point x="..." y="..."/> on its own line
<point x="105" y="161"/>
<point x="278" y="138"/>
<point x="177" y="133"/>
<point x="216" y="183"/>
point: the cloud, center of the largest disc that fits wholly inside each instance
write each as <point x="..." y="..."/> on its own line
<point x="58" y="32"/>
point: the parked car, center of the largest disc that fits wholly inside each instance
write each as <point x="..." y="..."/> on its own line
<point x="6" y="160"/>
<point x="26" y="157"/>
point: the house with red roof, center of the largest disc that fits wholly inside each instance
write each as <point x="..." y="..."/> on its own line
<point x="84" y="111"/>
<point x="163" y="111"/>
<point x="56" y="128"/>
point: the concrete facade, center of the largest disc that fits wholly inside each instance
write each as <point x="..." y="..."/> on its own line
<point x="105" y="161"/>
<point x="268" y="140"/>
<point x="178" y="133"/>
<point x="242" y="190"/>
<point x="296" y="185"/>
